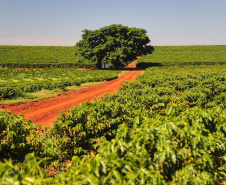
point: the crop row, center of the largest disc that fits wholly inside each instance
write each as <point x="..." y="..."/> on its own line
<point x="166" y="127"/>
<point x="184" y="55"/>
<point x="15" y="82"/>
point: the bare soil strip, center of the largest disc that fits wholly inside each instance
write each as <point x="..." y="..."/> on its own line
<point x="45" y="112"/>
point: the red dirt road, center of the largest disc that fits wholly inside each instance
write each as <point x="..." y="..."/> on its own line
<point x="45" y="112"/>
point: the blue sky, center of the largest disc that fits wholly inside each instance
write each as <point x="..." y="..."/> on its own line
<point x="60" y="22"/>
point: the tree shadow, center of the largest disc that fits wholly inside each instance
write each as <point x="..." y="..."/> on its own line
<point x="144" y="65"/>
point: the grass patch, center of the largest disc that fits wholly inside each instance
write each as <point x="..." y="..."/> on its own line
<point x="122" y="73"/>
<point x="35" y="96"/>
<point x="82" y="86"/>
<point x="43" y="94"/>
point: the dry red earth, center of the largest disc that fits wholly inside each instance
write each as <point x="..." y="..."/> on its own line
<point x="45" y="112"/>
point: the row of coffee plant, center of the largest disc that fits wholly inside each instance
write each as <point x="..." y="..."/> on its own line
<point x="58" y="56"/>
<point x="167" y="127"/>
<point x="40" y="57"/>
<point x="184" y="55"/>
<point x="15" y="82"/>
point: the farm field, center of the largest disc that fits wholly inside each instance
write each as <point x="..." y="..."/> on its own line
<point x="44" y="112"/>
<point x="166" y="127"/>
<point x="40" y="57"/>
<point x="184" y="55"/>
<point x="16" y="82"/>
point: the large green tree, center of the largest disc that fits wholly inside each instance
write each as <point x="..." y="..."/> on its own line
<point x="116" y="45"/>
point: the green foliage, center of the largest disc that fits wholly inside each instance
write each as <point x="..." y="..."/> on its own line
<point x="29" y="172"/>
<point x="84" y="128"/>
<point x="40" y="57"/>
<point x="17" y="136"/>
<point x="184" y="55"/>
<point x="161" y="150"/>
<point x="15" y="82"/>
<point x="167" y="127"/>
<point x="116" y="45"/>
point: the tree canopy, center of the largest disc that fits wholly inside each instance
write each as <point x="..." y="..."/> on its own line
<point x="116" y="45"/>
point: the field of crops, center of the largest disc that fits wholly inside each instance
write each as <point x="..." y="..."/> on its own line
<point x="15" y="82"/>
<point x="40" y="57"/>
<point x="184" y="55"/>
<point x="167" y="127"/>
<point x="56" y="56"/>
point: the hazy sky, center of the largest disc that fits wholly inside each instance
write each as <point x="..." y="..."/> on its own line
<point x="60" y="22"/>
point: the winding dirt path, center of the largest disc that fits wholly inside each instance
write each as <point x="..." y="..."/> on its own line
<point x="45" y="112"/>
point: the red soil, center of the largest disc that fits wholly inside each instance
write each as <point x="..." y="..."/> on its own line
<point x="45" y="112"/>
